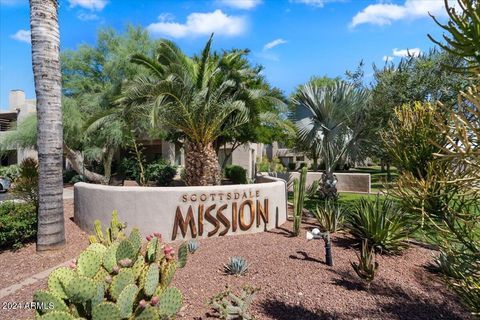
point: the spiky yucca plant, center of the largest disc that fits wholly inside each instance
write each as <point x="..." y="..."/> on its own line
<point x="330" y="216"/>
<point x="115" y="278"/>
<point x="367" y="267"/>
<point x="380" y="221"/>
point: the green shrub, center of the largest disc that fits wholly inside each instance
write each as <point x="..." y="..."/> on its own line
<point x="18" y="224"/>
<point x="263" y="166"/>
<point x="77" y="178"/>
<point x="161" y="172"/>
<point x="68" y="175"/>
<point x="270" y="166"/>
<point x="129" y="168"/>
<point x="26" y="185"/>
<point x="330" y="216"/>
<point x="116" y="278"/>
<point x="11" y="172"/>
<point x="384" y="224"/>
<point x="236" y="174"/>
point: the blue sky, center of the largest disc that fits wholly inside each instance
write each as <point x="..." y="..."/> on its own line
<point x="292" y="39"/>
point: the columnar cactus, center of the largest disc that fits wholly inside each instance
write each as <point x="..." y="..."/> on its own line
<point x="115" y="278"/>
<point x="298" y="198"/>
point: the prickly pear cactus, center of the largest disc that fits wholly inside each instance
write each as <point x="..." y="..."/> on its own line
<point x="115" y="278"/>
<point x="112" y="234"/>
<point x="170" y="302"/>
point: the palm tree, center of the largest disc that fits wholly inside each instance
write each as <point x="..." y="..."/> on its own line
<point x="329" y="119"/>
<point x="46" y="71"/>
<point x="194" y="96"/>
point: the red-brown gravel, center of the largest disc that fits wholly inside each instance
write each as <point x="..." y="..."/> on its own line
<point x="294" y="282"/>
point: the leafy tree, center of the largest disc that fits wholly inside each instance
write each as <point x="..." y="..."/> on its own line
<point x="94" y="126"/>
<point x="93" y="78"/>
<point x="423" y="79"/>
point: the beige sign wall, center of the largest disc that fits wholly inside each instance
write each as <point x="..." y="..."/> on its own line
<point x="184" y="212"/>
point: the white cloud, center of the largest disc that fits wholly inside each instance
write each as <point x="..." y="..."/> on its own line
<point x="241" y="4"/>
<point x="89" y="4"/>
<point x="414" y="52"/>
<point x="388" y="58"/>
<point x="315" y="3"/>
<point x="22" y="35"/>
<point x="385" y="13"/>
<point x="87" y="16"/>
<point x="274" y="43"/>
<point x="166" y="17"/>
<point x="200" y="24"/>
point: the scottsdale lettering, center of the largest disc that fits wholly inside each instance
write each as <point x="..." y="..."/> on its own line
<point x="242" y="211"/>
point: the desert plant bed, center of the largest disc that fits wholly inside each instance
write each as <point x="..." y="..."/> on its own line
<point x="290" y="272"/>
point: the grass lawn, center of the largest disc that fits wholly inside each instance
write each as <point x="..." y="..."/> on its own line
<point x="378" y="181"/>
<point x="345" y="199"/>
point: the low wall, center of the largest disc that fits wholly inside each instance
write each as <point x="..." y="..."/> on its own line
<point x="347" y="182"/>
<point x="184" y="212"/>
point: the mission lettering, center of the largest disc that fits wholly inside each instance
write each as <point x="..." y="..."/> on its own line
<point x="230" y="211"/>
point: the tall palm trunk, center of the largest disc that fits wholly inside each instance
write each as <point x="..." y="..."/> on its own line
<point x="201" y="164"/>
<point x="46" y="71"/>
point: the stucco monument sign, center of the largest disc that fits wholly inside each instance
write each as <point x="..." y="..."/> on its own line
<point x="185" y="212"/>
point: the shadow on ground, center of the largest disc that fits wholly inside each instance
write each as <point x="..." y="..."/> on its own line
<point x="279" y="310"/>
<point x="402" y="304"/>
<point x="302" y="255"/>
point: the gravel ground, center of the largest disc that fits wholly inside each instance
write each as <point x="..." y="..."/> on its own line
<point x="294" y="282"/>
<point x="18" y="265"/>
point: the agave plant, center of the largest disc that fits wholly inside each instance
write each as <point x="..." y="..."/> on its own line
<point x="192" y="245"/>
<point x="236" y="266"/>
<point x="330" y="216"/>
<point x="366" y="267"/>
<point x="380" y="221"/>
